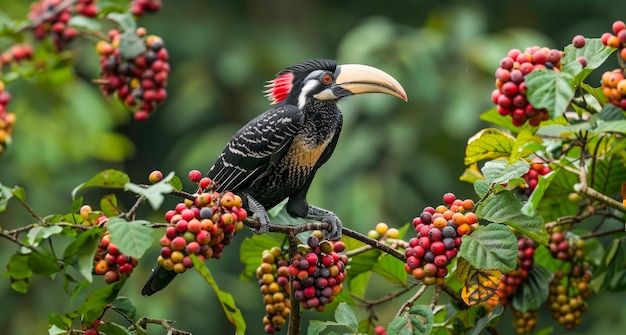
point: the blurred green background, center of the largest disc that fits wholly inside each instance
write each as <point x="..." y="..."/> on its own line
<point x="393" y="159"/>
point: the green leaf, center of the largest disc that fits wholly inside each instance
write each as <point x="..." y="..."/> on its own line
<point x="107" y="178"/>
<point x="363" y="262"/>
<point x="131" y="45"/>
<point x="251" y="250"/>
<point x="493" y="246"/>
<point x="595" y="92"/>
<point x="419" y="320"/>
<point x="19" y="193"/>
<point x="317" y="327"/>
<point x="95" y="303"/>
<point x="54" y="330"/>
<point x="500" y="171"/>
<point x="533" y="292"/>
<point x="524" y="145"/>
<point x="153" y="193"/>
<point x="124" y="20"/>
<point x="552" y="204"/>
<point x="111" y="328"/>
<point x="82" y="250"/>
<point x="550" y="89"/>
<point x="132" y="238"/>
<point x="618" y="126"/>
<point x="5" y="195"/>
<point x="482" y="323"/>
<point x="492" y="116"/>
<point x="19" y="271"/>
<point x="233" y="314"/>
<point x="37" y="234"/>
<point x="176" y="183"/>
<point x="609" y="174"/>
<point x="391" y="269"/>
<point x="610" y="112"/>
<point x="125" y="306"/>
<point x="505" y="207"/>
<point x="488" y="143"/>
<point x="529" y="208"/>
<point x="85" y="23"/>
<point x="481" y="187"/>
<point x="62" y="322"/>
<point x="108" y="205"/>
<point x="358" y="283"/>
<point x="43" y="262"/>
<point x="345" y="315"/>
<point x="594" y="52"/>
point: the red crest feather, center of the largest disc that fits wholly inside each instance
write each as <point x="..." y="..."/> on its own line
<point x="279" y="87"/>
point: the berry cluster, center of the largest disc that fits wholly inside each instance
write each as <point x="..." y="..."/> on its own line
<point x="614" y="87"/>
<point x="524" y="322"/>
<point x="273" y="275"/>
<point x="17" y="53"/>
<point x="564" y="248"/>
<point x="53" y="20"/>
<point x="110" y="262"/>
<point x="510" y="92"/>
<point x="93" y="328"/>
<point x="318" y="275"/>
<point x="202" y="227"/>
<point x="439" y="232"/>
<point x="617" y="39"/>
<point x="139" y="7"/>
<point x="512" y="280"/>
<point x="567" y="293"/>
<point x="382" y="231"/>
<point x="7" y="120"/>
<point x="140" y="82"/>
<point x="537" y="168"/>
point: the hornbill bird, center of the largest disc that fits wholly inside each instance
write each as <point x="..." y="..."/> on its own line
<point x="276" y="155"/>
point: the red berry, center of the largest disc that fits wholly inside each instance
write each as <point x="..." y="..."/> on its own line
<point x="618" y="26"/>
<point x="449" y="198"/>
<point x="578" y="41"/>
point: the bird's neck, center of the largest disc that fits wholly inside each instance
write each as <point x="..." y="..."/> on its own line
<point x="321" y="119"/>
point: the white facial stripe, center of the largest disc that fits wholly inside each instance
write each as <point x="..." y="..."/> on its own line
<point x="326" y="94"/>
<point x="309" y="85"/>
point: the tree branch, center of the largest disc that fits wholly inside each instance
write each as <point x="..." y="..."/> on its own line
<point x="164" y="323"/>
<point x="409" y="303"/>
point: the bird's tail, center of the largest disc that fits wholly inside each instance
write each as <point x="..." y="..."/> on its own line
<point x="157" y="281"/>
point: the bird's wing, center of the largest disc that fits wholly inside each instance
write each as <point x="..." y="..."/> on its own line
<point x="255" y="147"/>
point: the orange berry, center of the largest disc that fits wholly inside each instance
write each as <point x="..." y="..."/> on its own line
<point x="605" y="78"/>
<point x="464" y="229"/>
<point x="441" y="209"/>
<point x="459" y="219"/>
<point x="381" y="228"/>
<point x="621" y="87"/>
<point x="615" y="78"/>
<point x="101" y="267"/>
<point x="613" y="42"/>
<point x="448" y="214"/>
<point x="440" y="222"/>
<point x="468" y="204"/>
<point x="471" y="218"/>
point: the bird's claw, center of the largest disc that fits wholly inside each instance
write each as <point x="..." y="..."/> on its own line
<point x="327" y="216"/>
<point x="261" y="214"/>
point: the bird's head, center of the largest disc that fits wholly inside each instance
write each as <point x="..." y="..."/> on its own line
<point x="323" y="79"/>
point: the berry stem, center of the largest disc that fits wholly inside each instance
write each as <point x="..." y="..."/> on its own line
<point x="409" y="303"/>
<point x="141" y="323"/>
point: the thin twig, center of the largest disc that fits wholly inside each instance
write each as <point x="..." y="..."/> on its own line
<point x="409" y="303"/>
<point x="435" y="300"/>
<point x="164" y="323"/>
<point x="368" y="304"/>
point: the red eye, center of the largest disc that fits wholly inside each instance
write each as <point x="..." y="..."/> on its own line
<point x="327" y="79"/>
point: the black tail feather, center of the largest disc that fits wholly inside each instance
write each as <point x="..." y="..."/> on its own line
<point x="157" y="281"/>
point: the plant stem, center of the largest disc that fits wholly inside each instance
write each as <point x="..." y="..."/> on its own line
<point x="409" y="303"/>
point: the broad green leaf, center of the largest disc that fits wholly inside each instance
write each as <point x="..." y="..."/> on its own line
<point x="317" y="327"/>
<point x="500" y="171"/>
<point x="612" y="263"/>
<point x="505" y="207"/>
<point x="233" y="314"/>
<point x="176" y="183"/>
<point x="84" y="22"/>
<point x="485" y="320"/>
<point x="153" y="193"/>
<point x="523" y="142"/>
<point x="18" y="270"/>
<point x="61" y="321"/>
<point x="493" y="117"/>
<point x="43" y="262"/>
<point x="358" y="283"/>
<point x="108" y="205"/>
<point x="5" y="195"/>
<point x="479" y="285"/>
<point x="345" y="316"/>
<point x="54" y="330"/>
<point x="595" y="92"/>
<point x="107" y="178"/>
<point x="594" y="52"/>
<point x="530" y="207"/>
<point x="76" y="204"/>
<point x="481" y="187"/>
<point x="131" y="237"/>
<point x="391" y="269"/>
<point x="618" y="126"/>
<point x="610" y="112"/>
<point x="37" y="234"/>
<point x="488" y="143"/>
<point x="471" y="174"/>
<point x="95" y="303"/>
<point x="533" y="292"/>
<point x="493" y="246"/>
<point x="81" y="251"/>
<point x="124" y="20"/>
<point x="125" y="306"/>
<point x="419" y="320"/>
<point x="550" y="89"/>
<point x="111" y="328"/>
<point x="609" y="174"/>
<point x="131" y="45"/>
<point x="251" y="250"/>
<point x="552" y="204"/>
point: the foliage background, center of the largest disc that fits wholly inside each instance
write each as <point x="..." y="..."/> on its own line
<point x="393" y="159"/>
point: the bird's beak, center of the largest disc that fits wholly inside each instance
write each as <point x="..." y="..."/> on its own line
<point x="357" y="79"/>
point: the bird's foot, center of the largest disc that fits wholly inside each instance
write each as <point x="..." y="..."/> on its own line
<point x="261" y="214"/>
<point x="323" y="215"/>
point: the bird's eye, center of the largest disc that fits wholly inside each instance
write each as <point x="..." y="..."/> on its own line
<point x="327" y="79"/>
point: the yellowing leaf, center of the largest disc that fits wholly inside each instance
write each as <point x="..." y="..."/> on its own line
<point x="480" y="285"/>
<point x="488" y="143"/>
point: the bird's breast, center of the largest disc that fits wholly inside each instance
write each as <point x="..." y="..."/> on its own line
<point x="304" y="154"/>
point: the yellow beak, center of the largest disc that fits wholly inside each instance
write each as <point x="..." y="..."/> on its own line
<point x="357" y="79"/>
